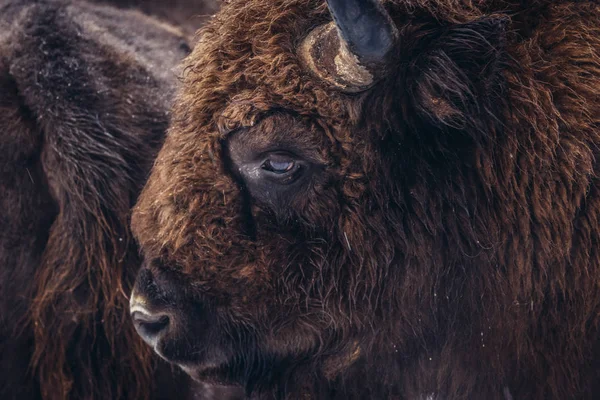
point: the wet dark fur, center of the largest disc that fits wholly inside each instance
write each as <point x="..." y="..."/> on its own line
<point x="84" y="97"/>
<point x="450" y="238"/>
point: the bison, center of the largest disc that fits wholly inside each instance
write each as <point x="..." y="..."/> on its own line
<point x="84" y="98"/>
<point x="381" y="200"/>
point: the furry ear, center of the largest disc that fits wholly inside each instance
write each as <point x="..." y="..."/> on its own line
<point x="460" y="72"/>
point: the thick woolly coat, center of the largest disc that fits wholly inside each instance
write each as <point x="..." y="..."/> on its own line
<point x="448" y="244"/>
<point x="84" y="99"/>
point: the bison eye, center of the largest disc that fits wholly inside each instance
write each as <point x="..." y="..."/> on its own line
<point x="282" y="168"/>
<point x="275" y="161"/>
<point x="279" y="164"/>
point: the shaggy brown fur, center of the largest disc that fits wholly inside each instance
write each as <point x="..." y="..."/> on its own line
<point x="442" y="237"/>
<point x="84" y="94"/>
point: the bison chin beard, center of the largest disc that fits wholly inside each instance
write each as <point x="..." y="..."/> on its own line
<point x="271" y="370"/>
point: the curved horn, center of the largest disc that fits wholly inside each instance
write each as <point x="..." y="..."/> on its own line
<point x="353" y="51"/>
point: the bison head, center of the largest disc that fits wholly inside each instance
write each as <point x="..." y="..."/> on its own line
<point x="312" y="185"/>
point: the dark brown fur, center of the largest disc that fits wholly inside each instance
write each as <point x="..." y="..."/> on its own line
<point x="84" y="96"/>
<point x="446" y="245"/>
<point x="189" y="15"/>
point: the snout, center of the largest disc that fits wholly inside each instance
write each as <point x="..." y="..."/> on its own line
<point x="155" y="311"/>
<point x="151" y="326"/>
<point x="176" y="325"/>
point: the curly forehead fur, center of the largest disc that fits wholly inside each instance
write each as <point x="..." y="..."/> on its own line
<point x="449" y="247"/>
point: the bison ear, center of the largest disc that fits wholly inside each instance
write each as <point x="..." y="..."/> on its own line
<point x="460" y="72"/>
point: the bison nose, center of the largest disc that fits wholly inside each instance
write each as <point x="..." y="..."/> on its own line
<point x="154" y="309"/>
<point x="151" y="327"/>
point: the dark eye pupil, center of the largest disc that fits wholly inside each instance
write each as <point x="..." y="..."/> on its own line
<point x="279" y="167"/>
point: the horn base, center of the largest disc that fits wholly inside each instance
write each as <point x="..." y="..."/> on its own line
<point x="325" y="55"/>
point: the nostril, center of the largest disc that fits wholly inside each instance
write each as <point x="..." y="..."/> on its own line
<point x="149" y="327"/>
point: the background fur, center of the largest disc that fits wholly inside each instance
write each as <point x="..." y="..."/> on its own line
<point x="84" y="96"/>
<point x="188" y="15"/>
